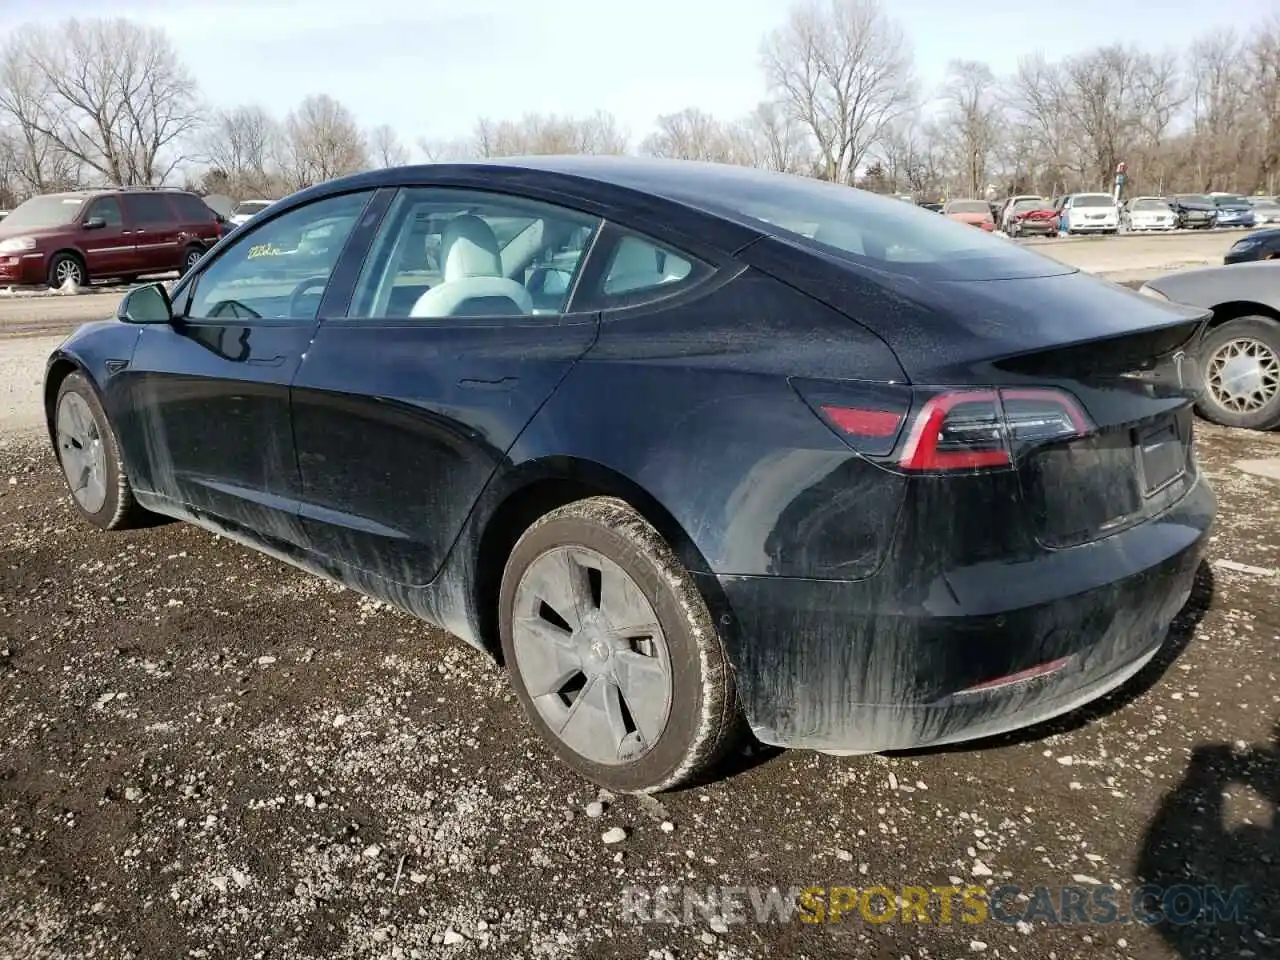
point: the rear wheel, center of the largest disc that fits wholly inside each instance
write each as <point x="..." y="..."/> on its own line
<point x="67" y="267"/>
<point x="90" y="458"/>
<point x="190" y="258"/>
<point x="612" y="651"/>
<point x="1242" y="374"/>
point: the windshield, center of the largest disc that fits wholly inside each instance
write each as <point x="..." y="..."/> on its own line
<point x="968" y="206"/>
<point x="1151" y="204"/>
<point x="1195" y="198"/>
<point x="250" y="207"/>
<point x="1031" y="203"/>
<point x="1229" y="201"/>
<point x="1094" y="200"/>
<point x="1263" y="202"/>
<point x="52" y="211"/>
<point x="855" y="225"/>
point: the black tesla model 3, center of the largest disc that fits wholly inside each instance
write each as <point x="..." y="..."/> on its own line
<point x="684" y="445"/>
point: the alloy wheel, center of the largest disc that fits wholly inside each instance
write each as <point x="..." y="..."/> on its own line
<point x="193" y="258"/>
<point x="68" y="269"/>
<point x="82" y="453"/>
<point x="1243" y="375"/>
<point x="592" y="655"/>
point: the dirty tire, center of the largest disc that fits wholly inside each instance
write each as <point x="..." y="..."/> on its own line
<point x="119" y="510"/>
<point x="64" y="265"/>
<point x="703" y="721"/>
<point x="1264" y="332"/>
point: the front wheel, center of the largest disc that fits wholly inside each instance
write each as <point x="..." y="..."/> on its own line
<point x="1242" y="374"/>
<point x="90" y="458"/>
<point x="612" y="651"/>
<point x="66" y="267"/>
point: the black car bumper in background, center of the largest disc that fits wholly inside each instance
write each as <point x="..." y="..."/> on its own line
<point x="856" y="666"/>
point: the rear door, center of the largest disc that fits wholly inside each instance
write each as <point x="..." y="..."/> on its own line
<point x="108" y="248"/>
<point x="207" y="397"/>
<point x="457" y="333"/>
<point x="156" y="245"/>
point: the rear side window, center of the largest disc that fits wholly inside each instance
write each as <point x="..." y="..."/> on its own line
<point x="148" y="208"/>
<point x="637" y="271"/>
<point x="191" y="209"/>
<point x="867" y="230"/>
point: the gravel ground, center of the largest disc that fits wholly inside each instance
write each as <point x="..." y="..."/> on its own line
<point x="207" y="754"/>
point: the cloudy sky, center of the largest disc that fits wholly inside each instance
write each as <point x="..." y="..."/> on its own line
<point x="430" y="67"/>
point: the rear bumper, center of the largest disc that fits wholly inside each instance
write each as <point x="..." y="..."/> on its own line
<point x="857" y="667"/>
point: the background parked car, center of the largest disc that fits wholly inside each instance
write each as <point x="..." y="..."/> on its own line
<point x="248" y="209"/>
<point x="1194" y="211"/>
<point x="104" y="234"/>
<point x="1265" y="210"/>
<point x="1233" y="211"/>
<point x="1259" y="245"/>
<point x="1147" y="213"/>
<point x="1088" y="213"/>
<point x="976" y="213"/>
<point x="1027" y="215"/>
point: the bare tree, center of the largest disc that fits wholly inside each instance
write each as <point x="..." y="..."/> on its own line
<point x="843" y="69"/>
<point x="321" y="141"/>
<point x="691" y="134"/>
<point x="386" y="147"/>
<point x="778" y="140"/>
<point x="537" y="133"/>
<point x="109" y="93"/>
<point x="240" y="143"/>
<point x="973" y="121"/>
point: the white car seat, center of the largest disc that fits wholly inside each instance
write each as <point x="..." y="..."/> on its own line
<point x="635" y="267"/>
<point x="472" y="283"/>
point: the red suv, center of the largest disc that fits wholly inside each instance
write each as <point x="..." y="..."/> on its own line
<point x="105" y="234"/>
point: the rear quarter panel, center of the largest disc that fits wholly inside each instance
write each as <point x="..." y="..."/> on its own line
<point x="692" y="404"/>
<point x="1242" y="282"/>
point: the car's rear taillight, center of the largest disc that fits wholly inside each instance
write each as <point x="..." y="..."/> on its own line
<point x="961" y="430"/>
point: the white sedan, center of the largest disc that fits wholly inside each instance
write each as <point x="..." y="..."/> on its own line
<point x="1147" y="213"/>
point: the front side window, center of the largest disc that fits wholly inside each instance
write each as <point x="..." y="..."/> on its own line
<point x="451" y="253"/>
<point x="279" y="271"/>
<point x="106" y="209"/>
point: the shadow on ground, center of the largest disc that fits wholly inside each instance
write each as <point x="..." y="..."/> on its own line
<point x="1190" y="843"/>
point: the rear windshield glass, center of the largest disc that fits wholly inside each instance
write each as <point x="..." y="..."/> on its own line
<point x="1031" y="203"/>
<point x="250" y="207"/>
<point x="50" y="211"/>
<point x="1093" y="200"/>
<point x="1229" y="201"/>
<point x="1195" y="198"/>
<point x="968" y="206"/>
<point x="866" y="229"/>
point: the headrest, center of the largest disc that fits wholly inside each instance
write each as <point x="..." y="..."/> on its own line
<point x="468" y="248"/>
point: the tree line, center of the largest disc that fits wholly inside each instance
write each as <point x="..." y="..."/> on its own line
<point x="92" y="102"/>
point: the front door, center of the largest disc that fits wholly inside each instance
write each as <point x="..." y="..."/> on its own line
<point x="210" y="429"/>
<point x="108" y="239"/>
<point x="456" y="335"/>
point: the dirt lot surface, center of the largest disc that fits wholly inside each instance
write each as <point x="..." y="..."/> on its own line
<point x="204" y="753"/>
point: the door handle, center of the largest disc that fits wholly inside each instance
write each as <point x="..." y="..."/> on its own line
<point x="501" y="383"/>
<point x="266" y="361"/>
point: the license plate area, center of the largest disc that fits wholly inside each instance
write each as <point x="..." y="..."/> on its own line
<point x="1162" y="456"/>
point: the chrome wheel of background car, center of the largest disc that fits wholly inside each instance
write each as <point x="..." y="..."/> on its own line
<point x="592" y="655"/>
<point x="82" y="452"/>
<point x="193" y="257"/>
<point x="67" y="269"/>
<point x="1243" y="375"/>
